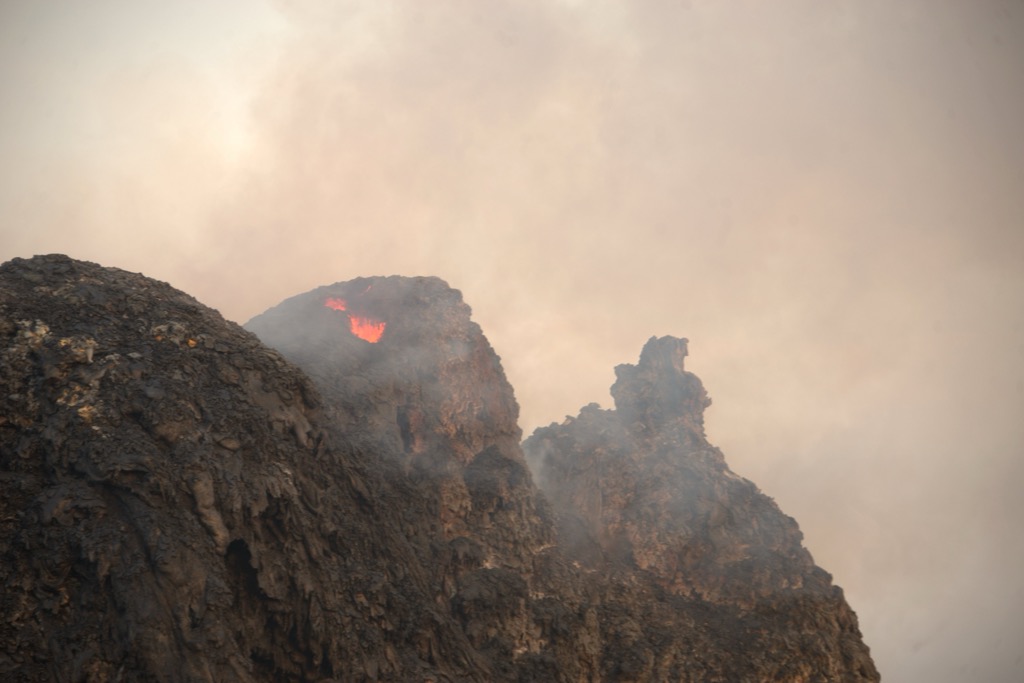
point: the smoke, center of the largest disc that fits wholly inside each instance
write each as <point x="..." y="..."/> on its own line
<point x="823" y="197"/>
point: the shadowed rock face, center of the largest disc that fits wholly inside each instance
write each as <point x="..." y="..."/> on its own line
<point x="181" y="503"/>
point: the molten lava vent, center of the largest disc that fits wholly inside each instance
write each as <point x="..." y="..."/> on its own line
<point x="367" y="329"/>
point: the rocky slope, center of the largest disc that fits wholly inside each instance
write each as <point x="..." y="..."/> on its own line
<point x="428" y="397"/>
<point x="182" y="503"/>
<point x="174" y="510"/>
<point x="639" y="491"/>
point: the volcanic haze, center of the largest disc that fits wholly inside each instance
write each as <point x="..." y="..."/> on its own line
<point x="825" y="198"/>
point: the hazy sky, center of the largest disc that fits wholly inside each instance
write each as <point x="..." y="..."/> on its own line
<point x="826" y="198"/>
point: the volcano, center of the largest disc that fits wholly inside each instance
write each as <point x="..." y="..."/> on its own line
<point x="340" y="492"/>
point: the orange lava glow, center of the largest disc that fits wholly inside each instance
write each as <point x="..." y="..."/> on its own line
<point x="366" y="328"/>
<point x="336" y="304"/>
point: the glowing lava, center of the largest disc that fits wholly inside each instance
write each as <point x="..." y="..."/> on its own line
<point x="336" y="304"/>
<point x="366" y="329"/>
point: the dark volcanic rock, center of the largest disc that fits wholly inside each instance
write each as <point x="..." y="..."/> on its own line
<point x="174" y="510"/>
<point x="640" y="493"/>
<point x="182" y="503"/>
<point x="428" y="398"/>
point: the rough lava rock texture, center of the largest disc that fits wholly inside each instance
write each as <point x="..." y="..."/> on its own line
<point x="181" y="502"/>
<point x="429" y="395"/>
<point x="174" y="510"/>
<point x="639" y="491"/>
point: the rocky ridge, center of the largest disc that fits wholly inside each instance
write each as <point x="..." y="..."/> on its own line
<point x="183" y="503"/>
<point x="638" y="489"/>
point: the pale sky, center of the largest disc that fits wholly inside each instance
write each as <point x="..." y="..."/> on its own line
<point x="826" y="198"/>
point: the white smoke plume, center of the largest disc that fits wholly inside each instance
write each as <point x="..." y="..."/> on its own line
<point x="825" y="198"/>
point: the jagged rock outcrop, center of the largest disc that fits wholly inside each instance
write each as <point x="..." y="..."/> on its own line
<point x="428" y="394"/>
<point x="639" y="489"/>
<point x="423" y="392"/>
<point x="179" y="502"/>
